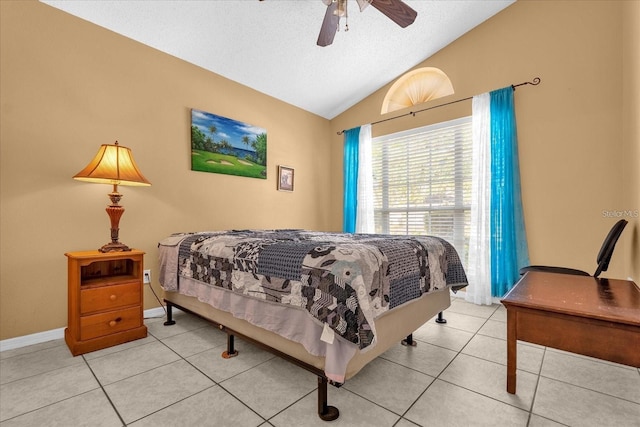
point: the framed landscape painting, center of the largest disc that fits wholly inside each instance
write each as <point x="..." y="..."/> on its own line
<point x="223" y="145"/>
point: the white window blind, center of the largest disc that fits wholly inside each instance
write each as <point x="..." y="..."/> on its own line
<point x="422" y="182"/>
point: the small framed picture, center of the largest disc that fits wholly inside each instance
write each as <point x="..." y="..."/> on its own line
<point x="285" y="178"/>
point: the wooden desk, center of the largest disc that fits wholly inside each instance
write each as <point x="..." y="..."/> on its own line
<point x="595" y="317"/>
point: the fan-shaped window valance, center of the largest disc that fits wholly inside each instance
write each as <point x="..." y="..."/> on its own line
<point x="416" y="87"/>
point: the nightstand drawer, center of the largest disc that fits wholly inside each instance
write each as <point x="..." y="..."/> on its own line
<point x="109" y="297"/>
<point x="98" y="325"/>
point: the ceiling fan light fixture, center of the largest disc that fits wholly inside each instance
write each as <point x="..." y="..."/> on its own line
<point x="396" y="10"/>
<point x="362" y="4"/>
<point x="341" y="10"/>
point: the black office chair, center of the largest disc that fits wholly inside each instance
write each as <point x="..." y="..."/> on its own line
<point x="604" y="256"/>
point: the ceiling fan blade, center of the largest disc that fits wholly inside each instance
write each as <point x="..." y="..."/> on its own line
<point x="397" y="11"/>
<point x="329" y="26"/>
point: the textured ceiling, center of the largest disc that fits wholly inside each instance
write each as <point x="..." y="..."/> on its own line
<point x="270" y="45"/>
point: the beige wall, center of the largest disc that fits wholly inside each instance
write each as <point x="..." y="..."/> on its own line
<point x="578" y="140"/>
<point x="68" y="86"/>
<point x="631" y="126"/>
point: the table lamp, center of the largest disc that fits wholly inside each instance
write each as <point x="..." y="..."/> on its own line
<point x="113" y="165"/>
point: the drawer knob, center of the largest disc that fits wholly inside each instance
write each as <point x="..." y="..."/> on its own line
<point x="113" y="297"/>
<point x="115" y="322"/>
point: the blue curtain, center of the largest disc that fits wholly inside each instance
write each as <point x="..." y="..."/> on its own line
<point x="350" y="171"/>
<point x="508" y="238"/>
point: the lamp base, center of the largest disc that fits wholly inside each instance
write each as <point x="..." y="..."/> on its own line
<point x="115" y="211"/>
<point x="114" y="247"/>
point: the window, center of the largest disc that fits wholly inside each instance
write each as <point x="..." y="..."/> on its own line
<point x="416" y="87"/>
<point x="422" y="182"/>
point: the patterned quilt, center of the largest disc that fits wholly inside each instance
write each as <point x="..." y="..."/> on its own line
<point x="342" y="280"/>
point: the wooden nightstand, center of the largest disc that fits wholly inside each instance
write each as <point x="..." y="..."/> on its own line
<point x="105" y="299"/>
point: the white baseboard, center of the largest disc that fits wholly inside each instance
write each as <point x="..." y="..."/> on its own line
<point x="37" y="338"/>
<point x="56" y="334"/>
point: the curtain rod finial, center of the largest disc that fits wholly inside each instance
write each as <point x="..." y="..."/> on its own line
<point x="536" y="81"/>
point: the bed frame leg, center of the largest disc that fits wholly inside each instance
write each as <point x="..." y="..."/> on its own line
<point x="440" y="319"/>
<point x="231" y="351"/>
<point x="170" y="320"/>
<point x="408" y="341"/>
<point x="325" y="412"/>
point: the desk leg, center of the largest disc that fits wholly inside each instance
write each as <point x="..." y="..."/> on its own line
<point x="512" y="351"/>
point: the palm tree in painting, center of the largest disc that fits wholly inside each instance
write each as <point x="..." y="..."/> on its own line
<point x="225" y="145"/>
<point x="209" y="145"/>
<point x="245" y="140"/>
<point x="213" y="129"/>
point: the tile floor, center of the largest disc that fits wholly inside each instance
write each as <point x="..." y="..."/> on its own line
<point x="455" y="376"/>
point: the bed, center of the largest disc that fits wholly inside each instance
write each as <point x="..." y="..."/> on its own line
<point x="328" y="302"/>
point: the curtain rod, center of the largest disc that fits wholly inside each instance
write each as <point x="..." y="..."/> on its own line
<point x="535" y="82"/>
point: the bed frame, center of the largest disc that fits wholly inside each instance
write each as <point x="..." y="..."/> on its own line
<point x="392" y="327"/>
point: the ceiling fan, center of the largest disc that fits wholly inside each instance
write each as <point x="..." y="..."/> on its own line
<point x="396" y="10"/>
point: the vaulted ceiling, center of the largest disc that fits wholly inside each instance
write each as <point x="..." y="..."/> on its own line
<point x="270" y="45"/>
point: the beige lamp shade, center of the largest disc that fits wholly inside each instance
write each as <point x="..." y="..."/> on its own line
<point x="113" y="164"/>
<point x="417" y="87"/>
